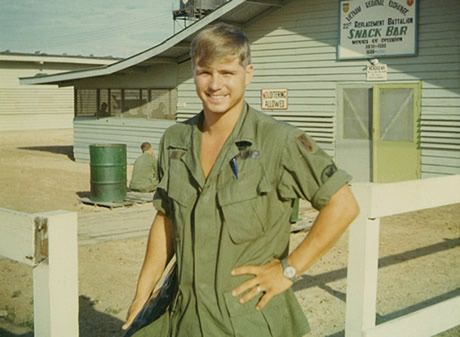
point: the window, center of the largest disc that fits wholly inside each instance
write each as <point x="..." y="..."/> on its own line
<point x="126" y="103"/>
<point x="357" y="104"/>
<point x="86" y="102"/>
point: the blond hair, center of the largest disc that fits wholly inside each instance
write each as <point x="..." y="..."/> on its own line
<point x="220" y="42"/>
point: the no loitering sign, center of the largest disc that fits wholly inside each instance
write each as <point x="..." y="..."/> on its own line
<point x="274" y="99"/>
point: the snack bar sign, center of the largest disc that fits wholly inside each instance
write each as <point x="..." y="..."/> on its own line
<point x="377" y="28"/>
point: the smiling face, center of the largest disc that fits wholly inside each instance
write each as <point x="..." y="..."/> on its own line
<point x="221" y="85"/>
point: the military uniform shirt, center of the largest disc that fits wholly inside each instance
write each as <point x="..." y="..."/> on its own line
<point x="238" y="216"/>
<point x="144" y="177"/>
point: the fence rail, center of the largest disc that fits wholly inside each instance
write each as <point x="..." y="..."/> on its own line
<point x="376" y="201"/>
<point x="48" y="243"/>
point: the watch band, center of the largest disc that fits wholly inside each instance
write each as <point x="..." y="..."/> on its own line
<point x="289" y="271"/>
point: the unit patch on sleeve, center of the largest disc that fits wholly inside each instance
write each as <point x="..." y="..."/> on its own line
<point x="306" y="143"/>
<point x="328" y="171"/>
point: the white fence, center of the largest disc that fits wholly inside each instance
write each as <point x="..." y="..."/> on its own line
<point x="379" y="200"/>
<point x="48" y="243"/>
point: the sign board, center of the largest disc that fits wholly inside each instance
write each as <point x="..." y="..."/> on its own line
<point x="274" y="99"/>
<point x="377" y="72"/>
<point x="377" y="28"/>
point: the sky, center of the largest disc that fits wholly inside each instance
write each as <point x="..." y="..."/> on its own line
<point x="117" y="28"/>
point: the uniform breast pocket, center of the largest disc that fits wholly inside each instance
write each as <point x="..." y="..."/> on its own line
<point x="244" y="205"/>
<point x="182" y="196"/>
<point x="179" y="188"/>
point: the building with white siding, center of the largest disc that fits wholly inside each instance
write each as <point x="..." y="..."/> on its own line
<point x="404" y="125"/>
<point x="44" y="107"/>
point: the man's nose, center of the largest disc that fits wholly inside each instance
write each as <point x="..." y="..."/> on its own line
<point x="215" y="82"/>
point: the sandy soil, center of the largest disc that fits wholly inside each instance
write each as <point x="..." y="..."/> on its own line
<point x="419" y="251"/>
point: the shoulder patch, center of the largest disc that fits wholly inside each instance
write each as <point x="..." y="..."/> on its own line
<point x="328" y="172"/>
<point x="306" y="143"/>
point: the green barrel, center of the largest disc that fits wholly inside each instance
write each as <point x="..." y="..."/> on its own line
<point x="108" y="172"/>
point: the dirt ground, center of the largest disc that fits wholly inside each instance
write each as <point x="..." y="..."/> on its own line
<point x="419" y="252"/>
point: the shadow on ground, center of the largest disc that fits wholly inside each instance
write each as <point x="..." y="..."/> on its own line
<point x="309" y="281"/>
<point x="84" y="194"/>
<point x="58" y="149"/>
<point x="9" y="331"/>
<point x="322" y="280"/>
<point x="93" y="323"/>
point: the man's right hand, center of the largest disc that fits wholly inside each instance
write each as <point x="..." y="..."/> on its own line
<point x="158" y="254"/>
<point x="133" y="312"/>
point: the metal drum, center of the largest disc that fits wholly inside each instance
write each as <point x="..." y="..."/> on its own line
<point x="108" y="172"/>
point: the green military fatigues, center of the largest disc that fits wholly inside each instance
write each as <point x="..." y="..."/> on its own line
<point x="235" y="218"/>
<point x="144" y="177"/>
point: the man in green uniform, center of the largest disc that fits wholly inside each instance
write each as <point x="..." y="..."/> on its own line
<point x="144" y="178"/>
<point x="228" y="180"/>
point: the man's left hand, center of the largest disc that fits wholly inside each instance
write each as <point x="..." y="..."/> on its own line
<point x="268" y="279"/>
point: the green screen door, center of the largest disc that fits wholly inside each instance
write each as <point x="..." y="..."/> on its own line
<point x="396" y="153"/>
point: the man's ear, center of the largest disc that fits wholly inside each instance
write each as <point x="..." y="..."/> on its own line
<point x="249" y="74"/>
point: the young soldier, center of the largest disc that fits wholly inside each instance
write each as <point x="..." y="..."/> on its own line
<point x="228" y="179"/>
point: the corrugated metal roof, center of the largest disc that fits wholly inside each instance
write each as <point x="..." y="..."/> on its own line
<point x="176" y="48"/>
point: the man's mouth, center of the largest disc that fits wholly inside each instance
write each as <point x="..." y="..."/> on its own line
<point x="216" y="97"/>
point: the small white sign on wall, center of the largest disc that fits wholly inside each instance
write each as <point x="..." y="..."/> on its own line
<point x="274" y="99"/>
<point x="377" y="72"/>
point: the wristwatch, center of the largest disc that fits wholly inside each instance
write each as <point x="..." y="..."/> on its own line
<point x="289" y="271"/>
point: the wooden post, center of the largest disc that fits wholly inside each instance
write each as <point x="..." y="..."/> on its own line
<point x="55" y="280"/>
<point x="378" y="200"/>
<point x="18" y="236"/>
<point x="363" y="253"/>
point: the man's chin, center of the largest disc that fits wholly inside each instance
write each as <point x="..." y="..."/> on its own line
<point x="217" y="108"/>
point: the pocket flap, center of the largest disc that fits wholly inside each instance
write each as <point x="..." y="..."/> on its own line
<point x="246" y="188"/>
<point x="181" y="192"/>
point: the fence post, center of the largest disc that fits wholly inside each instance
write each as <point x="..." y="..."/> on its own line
<point x="363" y="251"/>
<point x="55" y="279"/>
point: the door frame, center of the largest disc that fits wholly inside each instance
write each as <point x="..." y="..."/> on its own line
<point x="416" y="85"/>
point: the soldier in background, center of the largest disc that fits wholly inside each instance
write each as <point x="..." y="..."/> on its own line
<point x="144" y="178"/>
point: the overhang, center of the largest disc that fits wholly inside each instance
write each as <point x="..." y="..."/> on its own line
<point x="174" y="49"/>
<point x="62" y="59"/>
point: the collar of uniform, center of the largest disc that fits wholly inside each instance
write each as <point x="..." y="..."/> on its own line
<point x="230" y="148"/>
<point x="189" y="140"/>
<point x="245" y="131"/>
<point x="242" y="132"/>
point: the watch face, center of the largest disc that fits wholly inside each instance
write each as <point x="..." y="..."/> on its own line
<point x="290" y="272"/>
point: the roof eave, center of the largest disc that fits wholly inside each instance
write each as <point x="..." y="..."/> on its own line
<point x="136" y="59"/>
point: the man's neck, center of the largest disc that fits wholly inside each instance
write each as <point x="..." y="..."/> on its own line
<point x="221" y="125"/>
<point x="216" y="129"/>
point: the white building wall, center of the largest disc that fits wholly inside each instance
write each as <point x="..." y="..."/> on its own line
<point x="24" y="107"/>
<point x="294" y="47"/>
<point x="32" y="107"/>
